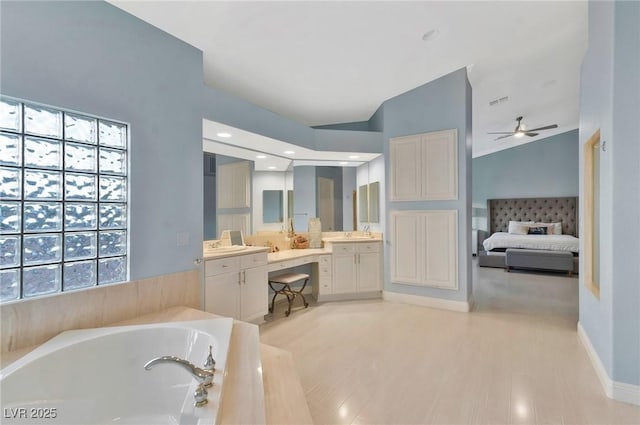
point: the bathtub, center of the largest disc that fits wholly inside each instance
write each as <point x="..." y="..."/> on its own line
<point x="96" y="376"/>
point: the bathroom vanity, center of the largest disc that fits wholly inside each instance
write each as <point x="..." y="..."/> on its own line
<point x="236" y="279"/>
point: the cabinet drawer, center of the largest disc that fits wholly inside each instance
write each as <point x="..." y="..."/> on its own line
<point x="324" y="260"/>
<point x="324" y="270"/>
<point x="369" y="247"/>
<point x="343" y="248"/>
<point x="253" y="260"/>
<point x="324" y="284"/>
<point x="223" y="265"/>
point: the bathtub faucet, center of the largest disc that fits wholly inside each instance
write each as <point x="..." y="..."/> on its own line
<point x="204" y="377"/>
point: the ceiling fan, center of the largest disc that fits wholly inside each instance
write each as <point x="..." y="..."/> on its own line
<point x="520" y="130"/>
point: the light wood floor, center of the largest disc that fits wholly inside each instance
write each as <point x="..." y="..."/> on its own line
<point x="516" y="358"/>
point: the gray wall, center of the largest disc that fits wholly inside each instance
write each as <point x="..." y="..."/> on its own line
<point x="439" y="105"/>
<point x="544" y="168"/>
<point x="610" y="83"/>
<point x="94" y="58"/>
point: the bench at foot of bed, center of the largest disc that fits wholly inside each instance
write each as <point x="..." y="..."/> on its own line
<point x="537" y="259"/>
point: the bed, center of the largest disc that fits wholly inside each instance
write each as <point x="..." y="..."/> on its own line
<point x="530" y="213"/>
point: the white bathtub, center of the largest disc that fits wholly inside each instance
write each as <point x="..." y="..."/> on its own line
<point x="96" y="376"/>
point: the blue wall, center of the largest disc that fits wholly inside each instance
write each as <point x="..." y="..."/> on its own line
<point x="610" y="83"/>
<point x="625" y="149"/>
<point x="94" y="58"/>
<point x="439" y="105"/>
<point x="304" y="197"/>
<point x="544" y="168"/>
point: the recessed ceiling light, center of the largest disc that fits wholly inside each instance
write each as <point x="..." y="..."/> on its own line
<point x="289" y="152"/>
<point x="224" y="135"/>
<point x="272" y="167"/>
<point x="354" y="156"/>
<point x="343" y="162"/>
<point x="261" y="156"/>
<point x="430" y="35"/>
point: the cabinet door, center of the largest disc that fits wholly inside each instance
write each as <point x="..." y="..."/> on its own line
<point x="233" y="185"/>
<point x="439" y="165"/>
<point x="222" y="295"/>
<point x="254" y="296"/>
<point x="406" y="247"/>
<point x="440" y="240"/>
<point x="404" y="173"/>
<point x="344" y="274"/>
<point x="369" y="271"/>
<point x="224" y="178"/>
<point x="241" y="185"/>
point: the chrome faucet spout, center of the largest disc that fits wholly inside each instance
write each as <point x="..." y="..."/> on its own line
<point x="204" y="376"/>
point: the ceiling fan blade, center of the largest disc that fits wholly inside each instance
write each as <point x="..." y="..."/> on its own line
<point x="531" y="134"/>
<point x="502" y="137"/>
<point x="546" y="127"/>
<point x="503" y="132"/>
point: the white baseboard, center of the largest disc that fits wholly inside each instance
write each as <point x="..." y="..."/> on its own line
<point x="620" y="391"/>
<point x="462" y="306"/>
<point x="349" y="297"/>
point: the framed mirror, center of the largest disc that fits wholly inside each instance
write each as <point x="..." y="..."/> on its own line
<point x="592" y="151"/>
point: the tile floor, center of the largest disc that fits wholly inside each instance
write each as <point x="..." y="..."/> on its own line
<point x="516" y="358"/>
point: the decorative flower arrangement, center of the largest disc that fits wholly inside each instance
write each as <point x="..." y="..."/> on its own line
<point x="300" y="242"/>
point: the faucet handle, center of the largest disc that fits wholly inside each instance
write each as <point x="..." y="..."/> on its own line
<point x="201" y="395"/>
<point x="210" y="363"/>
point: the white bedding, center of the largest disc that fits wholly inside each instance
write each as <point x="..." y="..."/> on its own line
<point x="544" y="242"/>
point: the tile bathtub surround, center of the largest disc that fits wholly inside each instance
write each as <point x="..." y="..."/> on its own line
<point x="31" y="322"/>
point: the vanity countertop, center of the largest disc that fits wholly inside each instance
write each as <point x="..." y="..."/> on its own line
<point x="352" y="239"/>
<point x="224" y="252"/>
<point x="290" y="254"/>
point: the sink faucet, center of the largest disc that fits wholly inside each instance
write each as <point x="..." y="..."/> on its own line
<point x="367" y="230"/>
<point x="204" y="377"/>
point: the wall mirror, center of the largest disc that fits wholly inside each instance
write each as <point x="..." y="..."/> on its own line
<point x="273" y="180"/>
<point x="272" y="206"/>
<point x="591" y="256"/>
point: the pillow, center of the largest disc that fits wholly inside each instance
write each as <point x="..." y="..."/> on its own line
<point x="539" y="230"/>
<point x="519" y="227"/>
<point x="555" y="228"/>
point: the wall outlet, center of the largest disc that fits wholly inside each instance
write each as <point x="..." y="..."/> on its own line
<point x="182" y="238"/>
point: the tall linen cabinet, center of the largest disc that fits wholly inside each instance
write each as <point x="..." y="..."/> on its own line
<point x="424" y="242"/>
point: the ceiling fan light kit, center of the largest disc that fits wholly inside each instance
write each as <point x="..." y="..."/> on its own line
<point x="521" y="131"/>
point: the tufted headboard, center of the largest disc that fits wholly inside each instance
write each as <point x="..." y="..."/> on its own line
<point x="547" y="210"/>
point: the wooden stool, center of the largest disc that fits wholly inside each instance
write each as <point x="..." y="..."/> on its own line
<point x="285" y="280"/>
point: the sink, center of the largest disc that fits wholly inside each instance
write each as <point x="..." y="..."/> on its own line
<point x="225" y="249"/>
<point x="350" y="238"/>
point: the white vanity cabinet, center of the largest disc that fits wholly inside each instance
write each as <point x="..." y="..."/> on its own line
<point x="357" y="267"/>
<point x="323" y="273"/>
<point x="424" y="167"/>
<point x="424" y="248"/>
<point x="237" y="286"/>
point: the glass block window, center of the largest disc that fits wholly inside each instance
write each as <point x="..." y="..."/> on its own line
<point x="63" y="200"/>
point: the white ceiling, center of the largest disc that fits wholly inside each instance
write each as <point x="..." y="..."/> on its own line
<point x="332" y="62"/>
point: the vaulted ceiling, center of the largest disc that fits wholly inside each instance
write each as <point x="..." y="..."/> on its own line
<point x="333" y="62"/>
